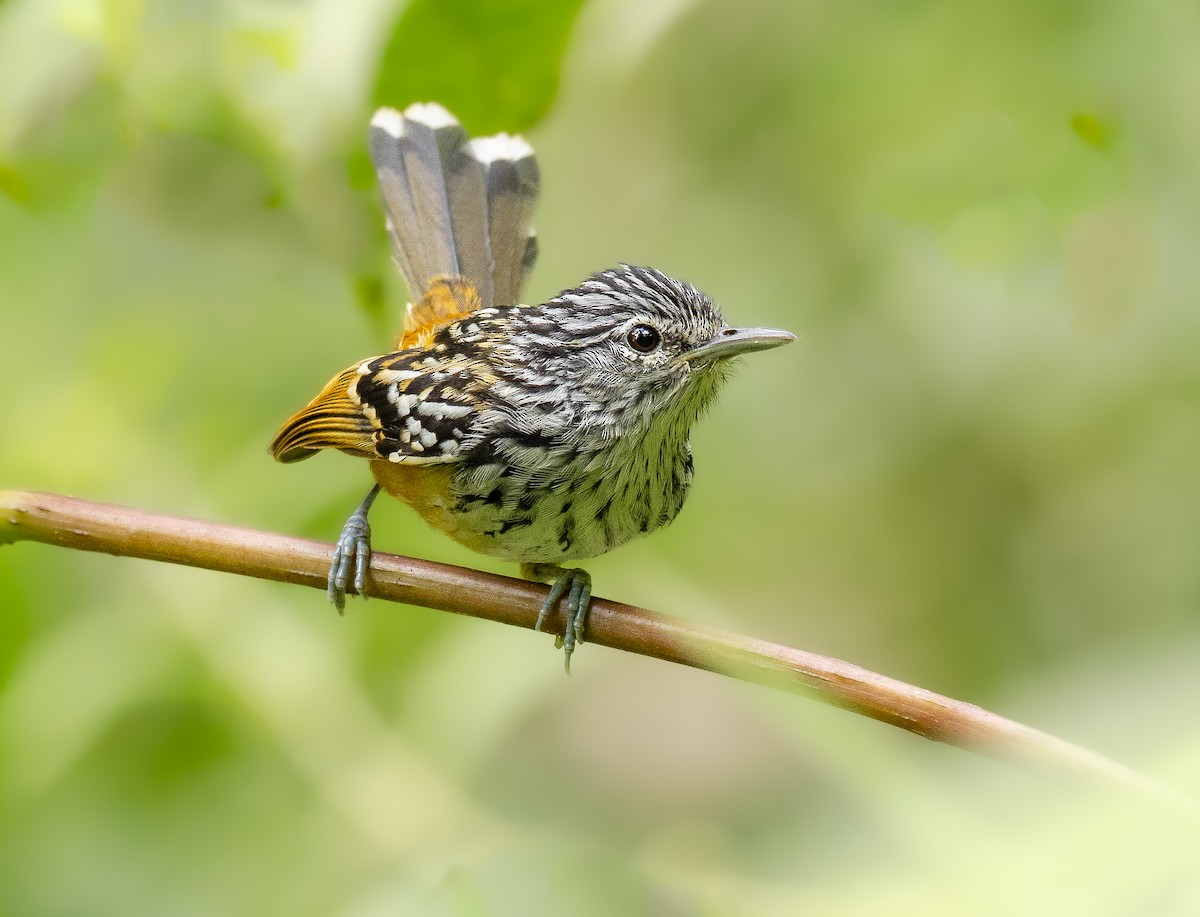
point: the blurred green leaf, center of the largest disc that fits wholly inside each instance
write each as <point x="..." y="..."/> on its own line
<point x="495" y="65"/>
<point x="12" y="184"/>
<point x="70" y="155"/>
<point x="360" y="172"/>
<point x="1093" y="130"/>
<point x="161" y="746"/>
<point x="14" y="623"/>
<point x="369" y="292"/>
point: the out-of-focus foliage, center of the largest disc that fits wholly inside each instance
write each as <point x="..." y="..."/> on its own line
<point x="977" y="470"/>
<point x="494" y="64"/>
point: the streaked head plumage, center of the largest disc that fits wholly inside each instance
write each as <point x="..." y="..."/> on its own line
<point x="623" y="343"/>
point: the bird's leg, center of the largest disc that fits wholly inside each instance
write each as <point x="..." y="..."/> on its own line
<point x="577" y="585"/>
<point x="353" y="550"/>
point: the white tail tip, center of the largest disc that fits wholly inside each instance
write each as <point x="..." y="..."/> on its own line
<point x="430" y="114"/>
<point x="500" y="146"/>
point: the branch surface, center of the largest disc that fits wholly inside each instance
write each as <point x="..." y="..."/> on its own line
<point x="118" y="530"/>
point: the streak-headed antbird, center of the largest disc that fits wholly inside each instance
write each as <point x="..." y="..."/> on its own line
<point x="539" y="434"/>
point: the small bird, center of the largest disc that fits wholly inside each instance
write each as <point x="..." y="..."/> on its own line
<point x="538" y="434"/>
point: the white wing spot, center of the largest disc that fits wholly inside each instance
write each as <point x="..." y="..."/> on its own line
<point x="387" y="376"/>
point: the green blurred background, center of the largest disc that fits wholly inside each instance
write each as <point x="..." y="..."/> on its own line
<point x="976" y="471"/>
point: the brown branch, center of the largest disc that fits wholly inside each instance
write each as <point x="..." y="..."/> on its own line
<point x="82" y="525"/>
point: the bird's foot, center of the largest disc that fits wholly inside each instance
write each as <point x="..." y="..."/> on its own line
<point x="576" y="584"/>
<point x="352" y="553"/>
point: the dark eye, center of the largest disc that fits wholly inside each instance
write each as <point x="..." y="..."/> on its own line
<point x="643" y="338"/>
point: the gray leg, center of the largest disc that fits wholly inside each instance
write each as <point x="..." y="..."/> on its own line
<point x="577" y="585"/>
<point x="353" y="550"/>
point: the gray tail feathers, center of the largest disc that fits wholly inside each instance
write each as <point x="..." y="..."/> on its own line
<point x="456" y="207"/>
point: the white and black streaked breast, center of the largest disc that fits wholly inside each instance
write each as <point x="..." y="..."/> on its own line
<point x="542" y="496"/>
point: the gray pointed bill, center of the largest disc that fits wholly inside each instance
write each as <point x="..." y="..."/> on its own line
<point x="732" y="342"/>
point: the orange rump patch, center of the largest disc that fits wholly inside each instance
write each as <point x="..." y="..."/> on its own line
<point x="447" y="300"/>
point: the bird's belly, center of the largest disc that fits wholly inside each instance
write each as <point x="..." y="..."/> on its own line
<point x="429" y="489"/>
<point x="572" y="521"/>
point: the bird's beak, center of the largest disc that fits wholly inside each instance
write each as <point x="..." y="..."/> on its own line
<point x="731" y="342"/>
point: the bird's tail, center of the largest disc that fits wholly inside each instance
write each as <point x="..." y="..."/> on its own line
<point x="456" y="207"/>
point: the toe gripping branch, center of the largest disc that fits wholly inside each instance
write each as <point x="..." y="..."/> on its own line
<point x="353" y="552"/>
<point x="576" y="584"/>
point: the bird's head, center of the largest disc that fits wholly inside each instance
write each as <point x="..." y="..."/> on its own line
<point x="631" y="347"/>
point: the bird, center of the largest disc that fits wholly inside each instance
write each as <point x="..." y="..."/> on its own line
<point x="539" y="434"/>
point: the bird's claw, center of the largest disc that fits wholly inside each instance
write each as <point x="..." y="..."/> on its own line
<point x="577" y="585"/>
<point x="352" y="552"/>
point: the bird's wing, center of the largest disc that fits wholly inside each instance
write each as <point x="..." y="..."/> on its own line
<point x="413" y="406"/>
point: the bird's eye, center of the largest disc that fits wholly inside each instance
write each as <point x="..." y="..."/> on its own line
<point x="643" y="338"/>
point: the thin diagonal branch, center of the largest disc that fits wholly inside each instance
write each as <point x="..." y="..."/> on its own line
<point x="87" y="526"/>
